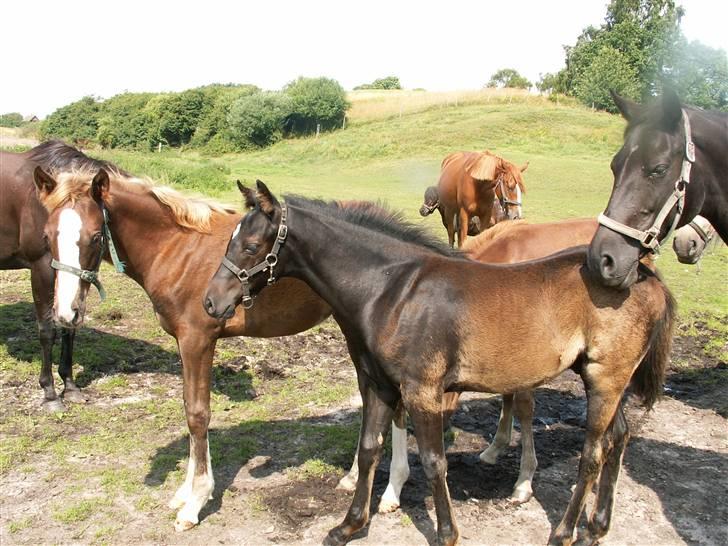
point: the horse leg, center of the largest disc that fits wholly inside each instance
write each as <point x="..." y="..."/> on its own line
<point x="41" y="281"/>
<point x="196" y="352"/>
<point x="602" y="514"/>
<point x="378" y="410"/>
<point x="602" y="400"/>
<point x="450" y="226"/>
<point x="70" y="392"/>
<point x="503" y="435"/>
<point x="524" y="411"/>
<point x="463" y="222"/>
<point x="399" y="470"/>
<point x="425" y="409"/>
<point x="348" y="482"/>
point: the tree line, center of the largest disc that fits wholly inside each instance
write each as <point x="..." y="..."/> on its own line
<point x="219" y="118"/>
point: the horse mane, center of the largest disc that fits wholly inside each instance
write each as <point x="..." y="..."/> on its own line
<point x="378" y="218"/>
<point x="475" y="244"/>
<point x="74" y="172"/>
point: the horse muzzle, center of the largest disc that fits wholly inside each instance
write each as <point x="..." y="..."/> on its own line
<point x="612" y="260"/>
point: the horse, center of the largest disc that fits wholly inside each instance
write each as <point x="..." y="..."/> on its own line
<point x="467" y="187"/>
<point x="23" y="245"/>
<point x="418" y="320"/>
<point x="671" y="167"/>
<point x="504" y="243"/>
<point x="431" y="203"/>
<point x="690" y="241"/>
<point x="171" y="246"/>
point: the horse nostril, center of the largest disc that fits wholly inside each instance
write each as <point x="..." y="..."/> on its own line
<point x="606" y="264"/>
<point x="209" y="305"/>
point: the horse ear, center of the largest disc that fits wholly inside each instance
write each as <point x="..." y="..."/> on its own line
<point x="627" y="108"/>
<point x="44" y="183"/>
<point x="100" y="186"/>
<point x="525" y="166"/>
<point x="671" y="108"/>
<point x="248" y="196"/>
<point x="268" y="203"/>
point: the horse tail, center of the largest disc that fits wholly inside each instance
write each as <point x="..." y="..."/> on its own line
<point x="649" y="377"/>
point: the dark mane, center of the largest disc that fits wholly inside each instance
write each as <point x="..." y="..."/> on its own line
<point x="55" y="156"/>
<point x="376" y="217"/>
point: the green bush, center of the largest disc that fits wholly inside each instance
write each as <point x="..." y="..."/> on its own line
<point x="76" y="121"/>
<point x="123" y="122"/>
<point x="11" y="119"/>
<point x="212" y="127"/>
<point x="258" y="119"/>
<point x="390" y="82"/>
<point x="315" y="101"/>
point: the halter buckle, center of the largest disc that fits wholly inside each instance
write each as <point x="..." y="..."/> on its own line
<point x="247" y="302"/>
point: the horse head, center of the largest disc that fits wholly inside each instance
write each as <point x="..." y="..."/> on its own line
<point x="690" y="241"/>
<point x="253" y="249"/>
<point x="75" y="235"/>
<point x="651" y="175"/>
<point x="431" y="202"/>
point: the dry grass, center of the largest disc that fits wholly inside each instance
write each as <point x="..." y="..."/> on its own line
<point x="367" y="105"/>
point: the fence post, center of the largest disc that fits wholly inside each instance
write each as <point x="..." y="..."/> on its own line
<point x="318" y="129"/>
<point x="159" y="147"/>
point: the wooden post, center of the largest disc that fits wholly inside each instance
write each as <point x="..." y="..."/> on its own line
<point x="159" y="147"/>
<point x="318" y="129"/>
<point x="343" y="123"/>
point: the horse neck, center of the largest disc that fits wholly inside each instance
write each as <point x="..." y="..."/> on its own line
<point x="345" y="264"/>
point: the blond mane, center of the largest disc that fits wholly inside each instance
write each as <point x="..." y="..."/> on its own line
<point x="189" y="212"/>
<point x="475" y="244"/>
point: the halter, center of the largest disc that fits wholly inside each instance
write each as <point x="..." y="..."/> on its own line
<point x="503" y="200"/>
<point x="430" y="208"/>
<point x="648" y="239"/>
<point x="270" y="261"/>
<point x="91" y="276"/>
<point x="706" y="236"/>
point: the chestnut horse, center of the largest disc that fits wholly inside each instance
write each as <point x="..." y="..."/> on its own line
<point x="420" y="320"/>
<point x="24" y="246"/>
<point x="467" y="188"/>
<point x="672" y="166"/>
<point x="171" y="246"/>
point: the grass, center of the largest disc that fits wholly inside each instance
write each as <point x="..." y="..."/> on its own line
<point x="130" y="446"/>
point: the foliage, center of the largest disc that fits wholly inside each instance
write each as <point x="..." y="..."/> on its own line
<point x="258" y="119"/>
<point x="176" y="116"/>
<point x="76" y="121"/>
<point x="315" y="101"/>
<point x="699" y="74"/>
<point x="124" y="123"/>
<point x="610" y="69"/>
<point x="390" y="82"/>
<point x="11" y="119"/>
<point x="212" y="128"/>
<point x="508" y="77"/>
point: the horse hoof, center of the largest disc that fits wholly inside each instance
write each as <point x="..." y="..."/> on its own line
<point x="181" y="525"/>
<point x="334" y="538"/>
<point x="488" y="458"/>
<point x="74" y="395"/>
<point x="346" y="484"/>
<point x="521" y="497"/>
<point x="53" y="406"/>
<point x="387" y="506"/>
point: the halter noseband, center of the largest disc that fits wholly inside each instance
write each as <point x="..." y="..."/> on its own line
<point x="431" y="208"/>
<point x="270" y="261"/>
<point x="648" y="238"/>
<point x="503" y="200"/>
<point x="91" y="276"/>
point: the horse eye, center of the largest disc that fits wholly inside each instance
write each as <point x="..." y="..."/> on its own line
<point x="659" y="170"/>
<point x="96" y="239"/>
<point x="251" y="249"/>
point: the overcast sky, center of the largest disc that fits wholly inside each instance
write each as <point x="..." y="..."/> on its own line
<point x="57" y="52"/>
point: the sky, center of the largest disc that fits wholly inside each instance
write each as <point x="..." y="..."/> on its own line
<point x="57" y="52"/>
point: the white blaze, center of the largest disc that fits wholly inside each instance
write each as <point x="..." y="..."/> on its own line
<point x="237" y="230"/>
<point x="69" y="233"/>
<point x="519" y="208"/>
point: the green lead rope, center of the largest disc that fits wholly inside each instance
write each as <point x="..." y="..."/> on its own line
<point x="118" y="264"/>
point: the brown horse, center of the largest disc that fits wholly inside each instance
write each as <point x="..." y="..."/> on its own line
<point x="467" y="188"/>
<point x="420" y="320"/>
<point x="23" y="246"/>
<point x="171" y="246"/>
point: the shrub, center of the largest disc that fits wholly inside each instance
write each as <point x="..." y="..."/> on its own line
<point x="258" y="119"/>
<point x="76" y="121"/>
<point x="212" y="127"/>
<point x="315" y="101"/>
<point x="390" y="82"/>
<point x="123" y="122"/>
<point x="12" y="119"/>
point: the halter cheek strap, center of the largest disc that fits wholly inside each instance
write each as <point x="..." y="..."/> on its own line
<point x="92" y="275"/>
<point x="269" y="263"/>
<point x="649" y="238"/>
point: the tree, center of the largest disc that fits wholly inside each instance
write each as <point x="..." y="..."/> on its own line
<point x="390" y="82"/>
<point x="11" y="119"/>
<point x="699" y="74"/>
<point x="508" y="77"/>
<point x="258" y="119"/>
<point x="76" y="121"/>
<point x="609" y="69"/>
<point x="315" y="101"/>
<point x="123" y="122"/>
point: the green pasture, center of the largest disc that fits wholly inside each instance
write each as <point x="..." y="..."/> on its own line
<point x="126" y="452"/>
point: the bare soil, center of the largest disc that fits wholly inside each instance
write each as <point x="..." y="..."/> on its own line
<point x="672" y="489"/>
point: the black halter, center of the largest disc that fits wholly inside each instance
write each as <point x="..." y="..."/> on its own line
<point x="270" y="261"/>
<point x="92" y="275"/>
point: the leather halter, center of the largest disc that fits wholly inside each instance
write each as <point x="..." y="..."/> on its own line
<point x="706" y="236"/>
<point x="503" y="200"/>
<point x="270" y="261"/>
<point x="648" y="238"/>
<point x="92" y="275"/>
<point x="431" y="208"/>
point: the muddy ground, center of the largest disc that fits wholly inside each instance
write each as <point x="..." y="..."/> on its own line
<point x="672" y="490"/>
